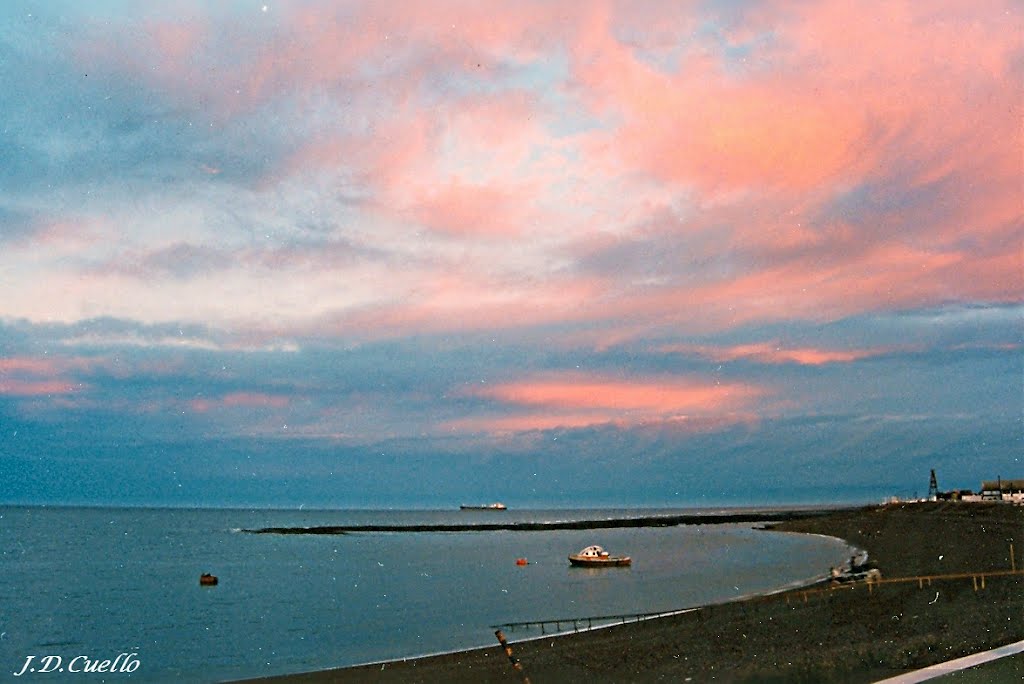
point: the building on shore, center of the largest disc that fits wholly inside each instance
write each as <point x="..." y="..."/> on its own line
<point x="958" y="495"/>
<point x="1003" y="490"/>
<point x="1010" y="491"/>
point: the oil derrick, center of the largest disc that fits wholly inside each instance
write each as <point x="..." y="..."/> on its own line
<point x="933" y="487"/>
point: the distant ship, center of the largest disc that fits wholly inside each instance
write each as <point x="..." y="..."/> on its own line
<point x="484" y="507"/>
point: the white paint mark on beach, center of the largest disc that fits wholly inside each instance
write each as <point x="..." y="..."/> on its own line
<point x="954" y="665"/>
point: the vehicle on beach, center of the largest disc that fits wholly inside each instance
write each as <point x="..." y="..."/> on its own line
<point x="496" y="506"/>
<point x="596" y="557"/>
<point x="859" y="569"/>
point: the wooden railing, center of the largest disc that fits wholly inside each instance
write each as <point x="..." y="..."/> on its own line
<point x="977" y="578"/>
<point x="601" y="620"/>
<point x="588" y="622"/>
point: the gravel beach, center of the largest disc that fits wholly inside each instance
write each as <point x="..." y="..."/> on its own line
<point x="847" y="633"/>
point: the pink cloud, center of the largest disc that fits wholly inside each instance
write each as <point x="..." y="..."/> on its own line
<point x="36" y="388"/>
<point x="432" y="129"/>
<point x="524" y="423"/>
<point x="28" y="364"/>
<point x="530" y="422"/>
<point x="832" y="108"/>
<point x="465" y="299"/>
<point x="575" y="400"/>
<point x="723" y="136"/>
<point x="821" y="285"/>
<point x="698" y="126"/>
<point x="654" y="397"/>
<point x="775" y="352"/>
<point x="466" y="209"/>
<point x="30" y="376"/>
<point x="304" y="48"/>
<point x="176" y="41"/>
<point x="463" y="168"/>
<point x="254" y="399"/>
<point x="239" y="400"/>
<point x="835" y="98"/>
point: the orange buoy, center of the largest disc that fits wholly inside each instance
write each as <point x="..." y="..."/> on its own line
<point x="207" y="580"/>
<point x="521" y="561"/>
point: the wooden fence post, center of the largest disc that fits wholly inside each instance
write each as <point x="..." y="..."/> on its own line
<point x="516" y="665"/>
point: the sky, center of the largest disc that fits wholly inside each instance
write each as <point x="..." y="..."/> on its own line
<point x="563" y="254"/>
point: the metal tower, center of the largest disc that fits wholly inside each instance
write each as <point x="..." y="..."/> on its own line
<point x="933" y="487"/>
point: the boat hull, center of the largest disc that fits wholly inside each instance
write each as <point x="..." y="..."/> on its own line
<point x="609" y="562"/>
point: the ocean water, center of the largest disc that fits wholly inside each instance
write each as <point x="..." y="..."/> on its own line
<point x="98" y="582"/>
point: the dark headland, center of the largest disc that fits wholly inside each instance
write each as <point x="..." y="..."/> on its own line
<point x="852" y="633"/>
<point x="749" y="516"/>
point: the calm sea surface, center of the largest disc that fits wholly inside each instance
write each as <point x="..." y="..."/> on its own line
<point x="98" y="582"/>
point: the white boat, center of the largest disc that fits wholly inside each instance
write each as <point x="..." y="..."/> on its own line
<point x="596" y="557"/>
<point x="496" y="506"/>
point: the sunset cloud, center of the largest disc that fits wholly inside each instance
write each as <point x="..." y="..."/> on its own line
<point x="657" y="398"/>
<point x="573" y="400"/>
<point x="447" y="221"/>
<point x="26" y="376"/>
<point x="239" y="400"/>
<point x="796" y="149"/>
<point x="464" y="210"/>
<point x="29" y="365"/>
<point x="35" y="388"/>
<point x="775" y="352"/>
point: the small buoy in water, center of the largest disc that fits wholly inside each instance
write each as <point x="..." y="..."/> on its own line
<point x="521" y="561"/>
<point x="207" y="580"/>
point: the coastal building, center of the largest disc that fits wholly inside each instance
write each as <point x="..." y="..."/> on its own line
<point x="958" y="495"/>
<point x="1010" y="491"/>
<point x="1003" y="490"/>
